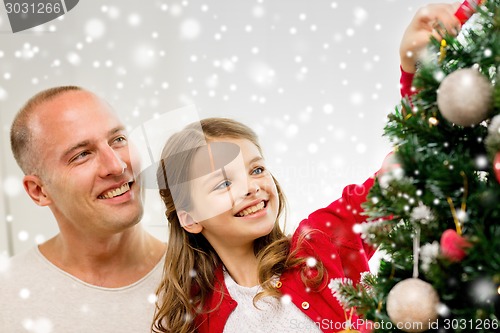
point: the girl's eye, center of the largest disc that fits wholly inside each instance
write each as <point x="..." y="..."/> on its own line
<point x="258" y="171"/>
<point x="225" y="184"/>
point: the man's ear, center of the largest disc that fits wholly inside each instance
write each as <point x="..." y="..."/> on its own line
<point x="33" y="185"/>
<point x="188" y="223"/>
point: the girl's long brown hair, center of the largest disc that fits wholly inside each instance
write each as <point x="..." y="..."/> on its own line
<point x="190" y="262"/>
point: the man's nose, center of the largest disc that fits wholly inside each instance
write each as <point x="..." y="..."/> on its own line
<point x="112" y="163"/>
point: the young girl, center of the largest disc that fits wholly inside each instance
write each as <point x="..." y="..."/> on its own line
<point x="227" y="252"/>
<point x="229" y="267"/>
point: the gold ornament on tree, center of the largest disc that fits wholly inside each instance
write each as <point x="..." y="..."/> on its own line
<point x="412" y="303"/>
<point x="452" y="244"/>
<point x="348" y="323"/>
<point x="465" y="97"/>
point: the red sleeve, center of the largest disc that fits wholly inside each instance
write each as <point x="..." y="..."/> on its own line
<point x="406" y="83"/>
<point x="341" y="250"/>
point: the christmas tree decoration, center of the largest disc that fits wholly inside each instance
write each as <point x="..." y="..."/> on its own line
<point x="447" y="143"/>
<point x="412" y="305"/>
<point x="492" y="143"/>
<point x="465" y="97"/>
<point x="496" y="166"/>
<point x="348" y="323"/>
<point x="453" y="246"/>
<point x="466" y="9"/>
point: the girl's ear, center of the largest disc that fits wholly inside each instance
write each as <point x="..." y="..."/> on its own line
<point x="34" y="187"/>
<point x="188" y="223"/>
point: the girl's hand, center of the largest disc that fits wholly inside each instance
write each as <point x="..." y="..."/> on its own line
<point x="431" y="20"/>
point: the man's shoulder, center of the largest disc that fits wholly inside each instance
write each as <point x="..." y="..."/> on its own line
<point x="19" y="260"/>
<point x="20" y="266"/>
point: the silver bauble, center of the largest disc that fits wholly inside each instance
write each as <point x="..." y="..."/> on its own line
<point x="464" y="97"/>
<point x="412" y="305"/>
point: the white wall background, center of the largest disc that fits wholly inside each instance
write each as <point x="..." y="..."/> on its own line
<point x="315" y="78"/>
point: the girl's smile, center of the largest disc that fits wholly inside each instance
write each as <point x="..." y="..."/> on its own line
<point x="225" y="201"/>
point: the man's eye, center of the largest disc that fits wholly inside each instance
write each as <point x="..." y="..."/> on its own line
<point x="225" y="184"/>
<point x="120" y="139"/>
<point x="80" y="156"/>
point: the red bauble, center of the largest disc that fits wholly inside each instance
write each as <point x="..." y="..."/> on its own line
<point x="496" y="166"/>
<point x="453" y="245"/>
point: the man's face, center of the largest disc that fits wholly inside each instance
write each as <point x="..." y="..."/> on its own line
<point x="86" y="165"/>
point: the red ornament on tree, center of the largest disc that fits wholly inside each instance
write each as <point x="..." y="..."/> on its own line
<point x="466" y="9"/>
<point x="453" y="245"/>
<point x="496" y="166"/>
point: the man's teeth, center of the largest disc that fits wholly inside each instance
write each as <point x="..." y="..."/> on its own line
<point x="116" y="192"/>
<point x="251" y="210"/>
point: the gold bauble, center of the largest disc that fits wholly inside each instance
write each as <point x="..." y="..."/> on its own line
<point x="412" y="305"/>
<point x="465" y="97"/>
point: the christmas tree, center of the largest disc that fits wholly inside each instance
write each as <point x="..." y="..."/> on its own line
<point x="436" y="213"/>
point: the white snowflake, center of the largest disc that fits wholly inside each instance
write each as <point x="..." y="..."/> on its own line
<point x="134" y="19"/>
<point x="95" y="28"/>
<point x="328" y="108"/>
<point x="360" y="15"/>
<point x="190" y="29"/>
<point x="24" y="293"/>
<point x="74" y="58"/>
<point x="484" y="291"/>
<point x="311" y="262"/>
<point x="286" y="299"/>
<point x="38" y="325"/>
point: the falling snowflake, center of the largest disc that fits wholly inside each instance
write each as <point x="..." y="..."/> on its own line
<point x="134" y="20"/>
<point x="328" y="108"/>
<point x="311" y="262"/>
<point x="152" y="298"/>
<point x="95" y="28"/>
<point x="74" y="58"/>
<point x="24" y="293"/>
<point x="483" y="291"/>
<point x="286" y="299"/>
<point x="190" y="29"/>
<point x="360" y="15"/>
<point x="38" y="325"/>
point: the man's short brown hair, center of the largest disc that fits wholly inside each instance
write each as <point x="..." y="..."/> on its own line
<point x="21" y="132"/>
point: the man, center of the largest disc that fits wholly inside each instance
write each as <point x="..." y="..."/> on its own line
<point x="100" y="272"/>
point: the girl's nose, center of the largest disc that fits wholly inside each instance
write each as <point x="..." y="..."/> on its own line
<point x="253" y="188"/>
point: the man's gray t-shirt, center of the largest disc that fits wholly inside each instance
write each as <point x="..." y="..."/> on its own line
<point x="36" y="296"/>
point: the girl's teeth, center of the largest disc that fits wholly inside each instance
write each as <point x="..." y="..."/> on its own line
<point x="251" y="210"/>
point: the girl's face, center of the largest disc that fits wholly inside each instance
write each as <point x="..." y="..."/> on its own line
<point x="235" y="204"/>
